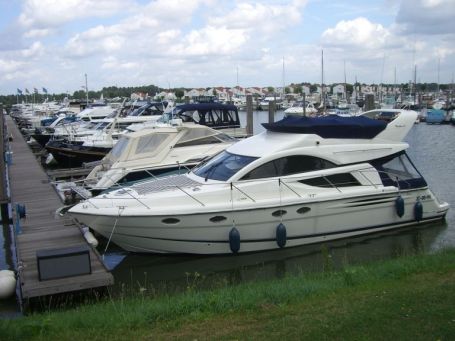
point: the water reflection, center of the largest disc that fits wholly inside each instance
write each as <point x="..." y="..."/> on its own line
<point x="8" y="307"/>
<point x="176" y="272"/>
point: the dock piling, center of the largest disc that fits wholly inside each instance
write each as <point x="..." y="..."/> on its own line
<point x="249" y="115"/>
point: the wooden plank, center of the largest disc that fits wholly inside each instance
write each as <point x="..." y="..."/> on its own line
<point x="42" y="228"/>
<point x="3" y="191"/>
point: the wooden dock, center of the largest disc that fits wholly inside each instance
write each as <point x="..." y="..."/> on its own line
<point x="43" y="229"/>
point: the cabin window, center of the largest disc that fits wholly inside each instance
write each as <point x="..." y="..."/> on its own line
<point x="222" y="166"/>
<point x="334" y="180"/>
<point x="194" y="137"/>
<point x="303" y="210"/>
<point x="217" y="219"/>
<point x="118" y="148"/>
<point x="148" y="143"/>
<point x="288" y="165"/>
<point x="150" y="173"/>
<point x="205" y="140"/>
<point x="279" y="213"/>
<point x="170" y="221"/>
<point x="399" y="170"/>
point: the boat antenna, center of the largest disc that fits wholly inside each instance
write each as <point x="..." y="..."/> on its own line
<point x="322" y="80"/>
<point x="345" y="89"/>
<point x="439" y="67"/>
<point x="283" y="75"/>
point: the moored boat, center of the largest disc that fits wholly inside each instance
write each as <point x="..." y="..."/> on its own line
<point x="304" y="180"/>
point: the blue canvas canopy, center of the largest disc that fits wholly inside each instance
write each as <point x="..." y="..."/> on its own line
<point x="206" y="106"/>
<point x="333" y="126"/>
<point x="212" y="114"/>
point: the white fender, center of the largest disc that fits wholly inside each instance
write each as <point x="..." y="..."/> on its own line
<point x="90" y="238"/>
<point x="7" y="286"/>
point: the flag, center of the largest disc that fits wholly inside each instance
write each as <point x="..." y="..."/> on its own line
<point x="19" y="91"/>
<point x="26" y="91"/>
<point x="35" y="90"/>
<point x="45" y="90"/>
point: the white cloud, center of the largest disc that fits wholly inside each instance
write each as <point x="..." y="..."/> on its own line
<point x="38" y="33"/>
<point x="52" y="13"/>
<point x="264" y="18"/>
<point x="427" y="17"/>
<point x="35" y="50"/>
<point x="8" y="66"/>
<point x="359" y="33"/>
<point x="166" y="37"/>
<point x="113" y="63"/>
<point x="203" y="42"/>
<point x="210" y="41"/>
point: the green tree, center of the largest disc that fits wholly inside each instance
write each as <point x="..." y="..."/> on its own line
<point x="179" y="93"/>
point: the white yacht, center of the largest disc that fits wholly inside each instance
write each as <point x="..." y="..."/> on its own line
<point x="156" y="152"/>
<point x="297" y="109"/>
<point x="304" y="180"/>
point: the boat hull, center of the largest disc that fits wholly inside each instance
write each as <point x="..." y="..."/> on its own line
<point x="70" y="155"/>
<point x="304" y="222"/>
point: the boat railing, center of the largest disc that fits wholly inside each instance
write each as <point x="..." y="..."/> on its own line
<point x="242" y="186"/>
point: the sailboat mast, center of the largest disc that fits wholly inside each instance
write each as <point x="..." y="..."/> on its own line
<point x="283" y="80"/>
<point x="345" y="89"/>
<point x="322" y="80"/>
<point x="415" y="83"/>
<point x="439" y="66"/>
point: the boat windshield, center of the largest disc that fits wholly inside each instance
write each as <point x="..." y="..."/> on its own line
<point x="222" y="166"/>
<point x="167" y="116"/>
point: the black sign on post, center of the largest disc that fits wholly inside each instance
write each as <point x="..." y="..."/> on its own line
<point x="4" y="200"/>
<point x="66" y="262"/>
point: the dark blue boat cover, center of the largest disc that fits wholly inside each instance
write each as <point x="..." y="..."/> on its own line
<point x="206" y="106"/>
<point x="332" y="126"/>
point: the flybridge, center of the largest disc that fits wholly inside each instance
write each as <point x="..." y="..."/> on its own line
<point x="332" y="126"/>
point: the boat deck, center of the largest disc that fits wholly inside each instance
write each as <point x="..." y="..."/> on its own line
<point x="42" y="228"/>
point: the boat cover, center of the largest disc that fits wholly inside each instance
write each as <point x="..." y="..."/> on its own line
<point x="333" y="126"/>
<point x="205" y="106"/>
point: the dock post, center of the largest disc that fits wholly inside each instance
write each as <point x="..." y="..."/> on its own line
<point x="249" y="115"/>
<point x="369" y="102"/>
<point x="4" y="200"/>
<point x="272" y="110"/>
<point x="304" y="104"/>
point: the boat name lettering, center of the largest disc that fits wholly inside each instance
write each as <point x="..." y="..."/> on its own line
<point x="424" y="197"/>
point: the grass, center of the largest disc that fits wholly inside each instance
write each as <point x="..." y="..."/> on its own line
<point x="409" y="298"/>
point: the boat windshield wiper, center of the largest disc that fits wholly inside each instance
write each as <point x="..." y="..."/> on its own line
<point x="211" y="169"/>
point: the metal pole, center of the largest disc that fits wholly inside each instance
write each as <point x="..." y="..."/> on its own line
<point x="3" y="191"/>
<point x="86" y="89"/>
<point x="304" y="104"/>
<point x="272" y="109"/>
<point x="249" y="115"/>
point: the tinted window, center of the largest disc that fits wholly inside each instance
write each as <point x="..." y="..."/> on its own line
<point x="222" y="166"/>
<point x="398" y="170"/>
<point x="334" y="180"/>
<point x="289" y="165"/>
<point x="205" y="140"/>
<point x="119" y="147"/>
<point x="148" y="143"/>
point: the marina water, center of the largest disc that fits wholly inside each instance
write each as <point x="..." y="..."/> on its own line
<point x="430" y="150"/>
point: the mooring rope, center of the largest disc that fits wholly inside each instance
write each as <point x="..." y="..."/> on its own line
<point x="113" y="229"/>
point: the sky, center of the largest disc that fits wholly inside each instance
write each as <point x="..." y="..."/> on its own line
<point x="206" y="43"/>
